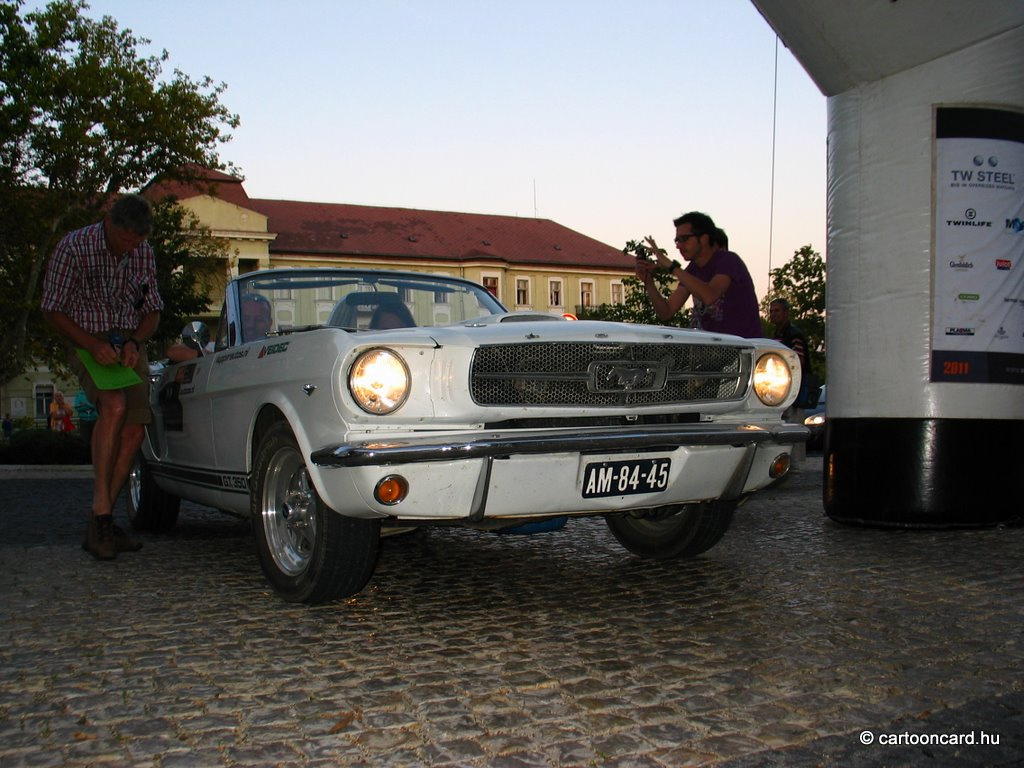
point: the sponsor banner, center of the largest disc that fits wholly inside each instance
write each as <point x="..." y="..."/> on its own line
<point x="978" y="367"/>
<point x="978" y="265"/>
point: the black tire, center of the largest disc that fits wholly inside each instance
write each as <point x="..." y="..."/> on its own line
<point x="669" y="532"/>
<point x="308" y="552"/>
<point x="149" y="507"/>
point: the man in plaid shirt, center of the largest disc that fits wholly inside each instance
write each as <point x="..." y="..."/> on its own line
<point x="100" y="293"/>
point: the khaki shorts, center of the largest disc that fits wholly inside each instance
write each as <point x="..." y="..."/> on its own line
<point x="138" y="410"/>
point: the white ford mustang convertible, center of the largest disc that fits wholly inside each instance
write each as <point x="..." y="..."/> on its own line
<point x="335" y="403"/>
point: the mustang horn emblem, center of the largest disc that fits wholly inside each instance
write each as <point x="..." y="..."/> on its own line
<point x="624" y="377"/>
<point x="628" y="377"/>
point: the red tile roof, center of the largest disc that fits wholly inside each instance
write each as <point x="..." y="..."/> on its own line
<point x="201" y="181"/>
<point x="325" y="229"/>
<point x="339" y="229"/>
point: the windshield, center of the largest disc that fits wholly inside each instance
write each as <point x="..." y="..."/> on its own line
<point x="282" y="300"/>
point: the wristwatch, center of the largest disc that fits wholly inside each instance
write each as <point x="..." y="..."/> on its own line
<point x="676" y="264"/>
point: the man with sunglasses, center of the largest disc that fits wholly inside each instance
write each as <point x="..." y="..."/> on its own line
<point x="719" y="282"/>
<point x="100" y="294"/>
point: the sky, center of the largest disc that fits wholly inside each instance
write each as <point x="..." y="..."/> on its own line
<point x="610" y="118"/>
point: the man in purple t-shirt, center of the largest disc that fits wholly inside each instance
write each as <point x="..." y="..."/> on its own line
<point x="723" y="292"/>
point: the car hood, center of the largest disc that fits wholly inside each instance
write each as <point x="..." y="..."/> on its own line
<point x="509" y="329"/>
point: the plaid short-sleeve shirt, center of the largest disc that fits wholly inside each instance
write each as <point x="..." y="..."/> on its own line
<point x="100" y="293"/>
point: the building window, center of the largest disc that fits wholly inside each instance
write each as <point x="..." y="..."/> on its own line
<point x="586" y="293"/>
<point x="44" y="396"/>
<point x="555" y="293"/>
<point x="617" y="295"/>
<point x="523" y="291"/>
<point x="491" y="284"/>
<point x="441" y="297"/>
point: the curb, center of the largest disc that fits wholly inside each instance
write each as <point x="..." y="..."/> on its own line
<point x="43" y="471"/>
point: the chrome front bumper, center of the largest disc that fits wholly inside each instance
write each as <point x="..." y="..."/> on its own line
<point x="376" y="451"/>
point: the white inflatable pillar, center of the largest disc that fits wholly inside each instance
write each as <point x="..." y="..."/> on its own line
<point x="925" y="306"/>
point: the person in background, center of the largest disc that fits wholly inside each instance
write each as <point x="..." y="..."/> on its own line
<point x="100" y="293"/>
<point x="723" y="294"/>
<point x="86" y="412"/>
<point x="257" y="317"/>
<point x="60" y="413"/>
<point x="391" y="316"/>
<point x="794" y="338"/>
<point x="8" y="426"/>
<point x="257" y="320"/>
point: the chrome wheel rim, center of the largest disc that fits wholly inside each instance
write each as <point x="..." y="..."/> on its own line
<point x="289" y="512"/>
<point x="135" y="487"/>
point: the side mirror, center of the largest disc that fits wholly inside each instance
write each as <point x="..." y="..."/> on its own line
<point x="196" y="336"/>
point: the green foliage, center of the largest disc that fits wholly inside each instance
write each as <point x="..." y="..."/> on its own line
<point x="801" y="281"/>
<point x="42" y="446"/>
<point x="189" y="265"/>
<point x="82" y="118"/>
<point x="639" y="249"/>
<point x="637" y="306"/>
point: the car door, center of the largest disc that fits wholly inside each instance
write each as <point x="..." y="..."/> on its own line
<point x="182" y="414"/>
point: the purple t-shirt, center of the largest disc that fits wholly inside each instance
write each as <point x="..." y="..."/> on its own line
<point x="735" y="311"/>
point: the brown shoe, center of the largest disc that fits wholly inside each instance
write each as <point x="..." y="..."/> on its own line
<point x="123" y="543"/>
<point x="99" y="538"/>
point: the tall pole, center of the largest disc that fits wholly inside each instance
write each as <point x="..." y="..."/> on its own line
<point x="771" y="197"/>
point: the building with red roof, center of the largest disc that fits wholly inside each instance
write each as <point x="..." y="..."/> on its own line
<point x="528" y="263"/>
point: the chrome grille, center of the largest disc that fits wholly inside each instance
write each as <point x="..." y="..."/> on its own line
<point x="607" y="374"/>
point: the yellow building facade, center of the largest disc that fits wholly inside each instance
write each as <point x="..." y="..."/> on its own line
<point x="528" y="264"/>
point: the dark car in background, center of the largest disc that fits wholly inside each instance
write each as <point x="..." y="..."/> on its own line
<point x="814" y="420"/>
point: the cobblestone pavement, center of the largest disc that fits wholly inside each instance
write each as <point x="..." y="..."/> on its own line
<point x="793" y="642"/>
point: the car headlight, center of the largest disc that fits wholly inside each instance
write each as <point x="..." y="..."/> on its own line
<point x="772" y="379"/>
<point x="379" y="381"/>
<point x="817" y="420"/>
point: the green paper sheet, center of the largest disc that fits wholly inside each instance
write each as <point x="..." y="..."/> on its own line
<point x="114" y="376"/>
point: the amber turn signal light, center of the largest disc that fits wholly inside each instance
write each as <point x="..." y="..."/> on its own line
<point x="391" y="489"/>
<point x="779" y="467"/>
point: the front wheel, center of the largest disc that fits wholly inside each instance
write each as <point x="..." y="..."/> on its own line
<point x="149" y="507"/>
<point x="308" y="552"/>
<point x="675" y="531"/>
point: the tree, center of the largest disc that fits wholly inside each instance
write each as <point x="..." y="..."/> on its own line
<point x="189" y="267"/>
<point x="801" y="281"/>
<point x="82" y="118"/>
<point x="637" y="306"/>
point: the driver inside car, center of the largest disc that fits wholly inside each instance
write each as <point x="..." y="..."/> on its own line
<point x="257" y="321"/>
<point x="256" y="317"/>
<point x="391" y="315"/>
